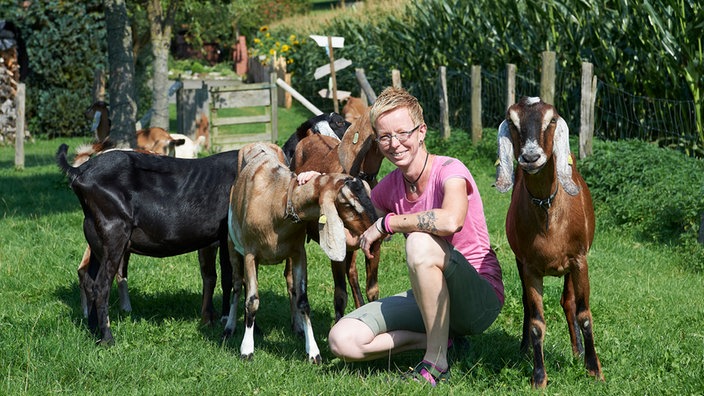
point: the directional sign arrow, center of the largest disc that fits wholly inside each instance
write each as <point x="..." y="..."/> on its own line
<point x="325" y="69"/>
<point x="337" y="42"/>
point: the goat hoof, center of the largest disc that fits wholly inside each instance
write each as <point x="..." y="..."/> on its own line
<point x="105" y="342"/>
<point x="315" y="360"/>
<point x="248" y="356"/>
<point x="227" y="333"/>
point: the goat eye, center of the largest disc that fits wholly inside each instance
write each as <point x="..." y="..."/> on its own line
<point x="554" y="120"/>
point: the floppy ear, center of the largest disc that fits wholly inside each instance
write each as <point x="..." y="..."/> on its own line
<point x="504" y="172"/>
<point x="332" y="231"/>
<point x="561" y="152"/>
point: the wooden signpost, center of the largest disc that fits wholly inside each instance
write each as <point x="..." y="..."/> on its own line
<point x="330" y="42"/>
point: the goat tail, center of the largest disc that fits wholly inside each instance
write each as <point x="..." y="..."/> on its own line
<point x="504" y="170"/>
<point x="561" y="152"/>
<point x="63" y="163"/>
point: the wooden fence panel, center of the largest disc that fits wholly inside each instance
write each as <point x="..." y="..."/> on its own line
<point x="260" y="95"/>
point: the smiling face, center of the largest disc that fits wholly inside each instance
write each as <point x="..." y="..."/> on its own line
<point x="399" y="136"/>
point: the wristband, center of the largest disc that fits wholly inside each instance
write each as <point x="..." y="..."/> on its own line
<point x="387" y="226"/>
<point x="379" y="226"/>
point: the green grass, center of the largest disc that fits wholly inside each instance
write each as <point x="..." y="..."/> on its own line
<point x="648" y="314"/>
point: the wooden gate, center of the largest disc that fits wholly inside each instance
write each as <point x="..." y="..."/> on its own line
<point x="243" y="114"/>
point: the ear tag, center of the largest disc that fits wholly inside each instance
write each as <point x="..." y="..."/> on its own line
<point x="570" y="161"/>
<point x="355" y="138"/>
<point x="323" y="219"/>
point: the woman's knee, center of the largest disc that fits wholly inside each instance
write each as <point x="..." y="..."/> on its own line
<point x="346" y="338"/>
<point x="424" y="249"/>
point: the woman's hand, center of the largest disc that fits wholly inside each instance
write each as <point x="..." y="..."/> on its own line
<point x="303" y="177"/>
<point x="371" y="235"/>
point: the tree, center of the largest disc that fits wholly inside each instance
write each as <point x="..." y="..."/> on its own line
<point x="123" y="102"/>
<point x="160" y="28"/>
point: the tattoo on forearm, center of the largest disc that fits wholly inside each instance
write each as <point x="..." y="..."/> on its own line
<point x="426" y="222"/>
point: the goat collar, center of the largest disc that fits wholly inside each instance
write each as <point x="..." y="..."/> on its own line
<point x="545" y="204"/>
<point x="290" y="211"/>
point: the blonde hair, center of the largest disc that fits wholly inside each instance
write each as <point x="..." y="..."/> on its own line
<point x="392" y="98"/>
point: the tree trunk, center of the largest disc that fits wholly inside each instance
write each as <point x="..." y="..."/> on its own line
<point x="160" y="26"/>
<point x="123" y="104"/>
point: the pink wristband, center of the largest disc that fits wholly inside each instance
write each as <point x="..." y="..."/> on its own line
<point x="387" y="226"/>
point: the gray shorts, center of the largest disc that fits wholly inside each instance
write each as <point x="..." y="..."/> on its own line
<point x="474" y="304"/>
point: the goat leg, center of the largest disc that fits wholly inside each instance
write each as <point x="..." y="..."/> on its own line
<point x="339" y="268"/>
<point x="206" y="259"/>
<point x="121" y="279"/>
<point x="584" y="318"/>
<point x="570" y="309"/>
<point x="372" y="265"/>
<point x="296" y="325"/>
<point x="353" y="278"/>
<point x="226" y="280"/>
<point x="237" y="279"/>
<point x="251" y="306"/>
<point x="300" y="281"/>
<point x="535" y="325"/>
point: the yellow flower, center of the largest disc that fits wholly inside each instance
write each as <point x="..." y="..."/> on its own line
<point x="292" y="38"/>
<point x="263" y="28"/>
<point x="285" y="48"/>
<point x="257" y="41"/>
<point x="272" y="51"/>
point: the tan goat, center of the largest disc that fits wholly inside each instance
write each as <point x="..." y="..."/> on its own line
<point x="356" y="154"/>
<point x="549" y="225"/>
<point x="268" y="231"/>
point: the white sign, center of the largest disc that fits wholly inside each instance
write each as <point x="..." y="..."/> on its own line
<point x="337" y="42"/>
<point x="327" y="94"/>
<point x="325" y="69"/>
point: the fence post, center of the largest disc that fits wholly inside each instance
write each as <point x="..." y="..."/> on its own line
<point x="510" y="84"/>
<point x="586" y="111"/>
<point x="396" y="78"/>
<point x="547" y="77"/>
<point x="19" y="126"/>
<point x="476" y="103"/>
<point x="364" y="84"/>
<point x="444" y="110"/>
<point x="288" y="99"/>
<point x="275" y="107"/>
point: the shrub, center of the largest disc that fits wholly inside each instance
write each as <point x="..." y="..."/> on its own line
<point x="659" y="193"/>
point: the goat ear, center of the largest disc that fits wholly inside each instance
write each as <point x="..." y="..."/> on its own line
<point x="332" y="231"/>
<point x="504" y="171"/>
<point x="561" y="152"/>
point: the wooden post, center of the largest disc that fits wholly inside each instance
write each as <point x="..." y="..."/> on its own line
<point x="586" y="112"/>
<point x="19" y="126"/>
<point x="274" y="108"/>
<point x="288" y="99"/>
<point x="444" y="107"/>
<point x="308" y="105"/>
<point x="364" y="84"/>
<point x="510" y="84"/>
<point x="476" y="103"/>
<point x="547" y="77"/>
<point x="332" y="75"/>
<point x="396" y="78"/>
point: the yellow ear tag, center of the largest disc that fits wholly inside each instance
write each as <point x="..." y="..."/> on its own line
<point x="570" y="161"/>
<point x="355" y="138"/>
<point x="323" y="219"/>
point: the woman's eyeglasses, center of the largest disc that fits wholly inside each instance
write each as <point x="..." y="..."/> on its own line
<point x="385" y="140"/>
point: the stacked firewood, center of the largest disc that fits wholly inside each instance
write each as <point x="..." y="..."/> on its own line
<point x="9" y="74"/>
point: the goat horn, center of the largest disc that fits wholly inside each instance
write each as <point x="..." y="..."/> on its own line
<point x="561" y="152"/>
<point x="504" y="172"/>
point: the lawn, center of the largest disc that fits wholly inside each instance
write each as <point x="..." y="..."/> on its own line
<point x="648" y="314"/>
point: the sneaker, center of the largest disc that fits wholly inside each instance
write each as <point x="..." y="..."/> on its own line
<point x="427" y="372"/>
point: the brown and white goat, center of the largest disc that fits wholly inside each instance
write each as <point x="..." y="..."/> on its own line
<point x="99" y="114"/>
<point x="268" y="231"/>
<point x="357" y="155"/>
<point x="549" y="225"/>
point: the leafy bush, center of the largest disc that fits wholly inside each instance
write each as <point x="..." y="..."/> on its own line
<point x="657" y="192"/>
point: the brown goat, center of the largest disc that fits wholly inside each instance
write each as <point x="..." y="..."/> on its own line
<point x="550" y="229"/>
<point x="157" y="140"/>
<point x="354" y="109"/>
<point x="357" y="155"/>
<point x="268" y="231"/>
<point x="99" y="114"/>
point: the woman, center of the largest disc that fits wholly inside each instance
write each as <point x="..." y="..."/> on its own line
<point x="456" y="285"/>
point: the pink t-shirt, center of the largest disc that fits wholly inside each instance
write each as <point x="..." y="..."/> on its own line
<point x="473" y="240"/>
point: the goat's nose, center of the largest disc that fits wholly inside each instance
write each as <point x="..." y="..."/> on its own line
<point x="530" y="157"/>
